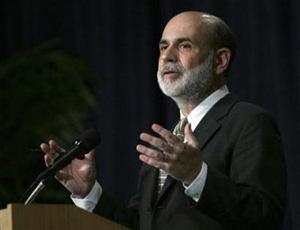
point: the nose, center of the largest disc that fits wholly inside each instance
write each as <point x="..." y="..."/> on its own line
<point x="169" y="55"/>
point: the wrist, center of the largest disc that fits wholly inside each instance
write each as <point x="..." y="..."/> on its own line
<point x="90" y="201"/>
<point x="193" y="174"/>
<point x="85" y="190"/>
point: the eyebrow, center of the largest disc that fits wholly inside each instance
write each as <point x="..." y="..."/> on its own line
<point x="177" y="40"/>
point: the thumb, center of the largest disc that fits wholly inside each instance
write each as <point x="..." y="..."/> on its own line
<point x="189" y="137"/>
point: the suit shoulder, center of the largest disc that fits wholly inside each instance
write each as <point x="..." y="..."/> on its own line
<point x="249" y="109"/>
<point x="245" y="113"/>
<point x="231" y="106"/>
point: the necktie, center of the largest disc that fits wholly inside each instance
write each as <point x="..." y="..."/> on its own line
<point x="179" y="132"/>
<point x="179" y="128"/>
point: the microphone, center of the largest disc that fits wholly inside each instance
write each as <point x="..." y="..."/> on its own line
<point x="82" y="145"/>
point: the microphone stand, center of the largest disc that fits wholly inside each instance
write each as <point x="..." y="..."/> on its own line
<point x="35" y="192"/>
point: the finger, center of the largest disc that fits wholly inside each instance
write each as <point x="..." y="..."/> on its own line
<point x="48" y="160"/>
<point x="189" y="137"/>
<point x="151" y="153"/>
<point x="156" y="142"/>
<point x="165" y="134"/>
<point x="44" y="147"/>
<point x="54" y="150"/>
<point x="153" y="162"/>
<point x="53" y="145"/>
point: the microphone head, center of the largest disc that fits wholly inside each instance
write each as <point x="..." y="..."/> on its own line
<point x="89" y="140"/>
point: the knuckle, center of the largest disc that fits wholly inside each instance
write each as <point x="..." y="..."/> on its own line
<point x="150" y="138"/>
<point x="177" y="148"/>
<point x="175" y="157"/>
<point x="170" y="149"/>
<point x="169" y="135"/>
<point x="149" y="160"/>
<point x="162" y="144"/>
<point x="156" y="155"/>
<point x="148" y="153"/>
<point x="157" y="142"/>
<point x="182" y="147"/>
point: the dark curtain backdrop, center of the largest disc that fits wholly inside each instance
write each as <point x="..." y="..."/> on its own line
<point x="119" y="40"/>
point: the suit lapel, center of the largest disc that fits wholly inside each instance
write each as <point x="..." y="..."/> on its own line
<point x="209" y="125"/>
<point x="205" y="131"/>
<point x="167" y="185"/>
<point x="151" y="187"/>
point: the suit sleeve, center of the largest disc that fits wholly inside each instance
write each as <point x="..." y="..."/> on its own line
<point x="252" y="195"/>
<point x="111" y="209"/>
<point x="127" y="215"/>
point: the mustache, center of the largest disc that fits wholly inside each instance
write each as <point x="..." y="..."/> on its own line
<point x="171" y="67"/>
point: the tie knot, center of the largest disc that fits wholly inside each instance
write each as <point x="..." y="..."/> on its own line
<point x="179" y="128"/>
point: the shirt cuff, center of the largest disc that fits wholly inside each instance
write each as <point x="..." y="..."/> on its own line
<point x="89" y="202"/>
<point x="194" y="190"/>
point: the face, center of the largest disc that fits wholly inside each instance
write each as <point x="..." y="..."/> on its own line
<point x="186" y="83"/>
<point x="185" y="67"/>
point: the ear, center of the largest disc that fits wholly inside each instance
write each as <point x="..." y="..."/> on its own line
<point x="222" y="59"/>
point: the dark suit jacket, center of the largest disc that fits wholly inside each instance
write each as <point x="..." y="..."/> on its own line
<point x="246" y="180"/>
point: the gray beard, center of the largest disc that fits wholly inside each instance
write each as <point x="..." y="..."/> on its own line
<point x="191" y="86"/>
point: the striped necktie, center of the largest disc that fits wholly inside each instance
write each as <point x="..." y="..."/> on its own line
<point x="179" y="132"/>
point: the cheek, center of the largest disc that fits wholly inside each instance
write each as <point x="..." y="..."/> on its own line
<point x="189" y="64"/>
<point x="189" y="60"/>
<point x="160" y="63"/>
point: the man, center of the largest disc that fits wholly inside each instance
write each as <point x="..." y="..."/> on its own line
<point x="226" y="171"/>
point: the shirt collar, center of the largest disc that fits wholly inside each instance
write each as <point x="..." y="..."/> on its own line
<point x="200" y="110"/>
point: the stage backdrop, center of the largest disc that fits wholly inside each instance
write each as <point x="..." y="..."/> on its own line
<point x="119" y="40"/>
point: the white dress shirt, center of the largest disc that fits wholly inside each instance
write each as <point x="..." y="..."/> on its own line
<point x="194" y="190"/>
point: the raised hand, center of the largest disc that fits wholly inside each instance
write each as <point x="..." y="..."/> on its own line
<point x="79" y="176"/>
<point x="180" y="160"/>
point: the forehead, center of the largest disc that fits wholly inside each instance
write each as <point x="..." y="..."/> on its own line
<point x="183" y="27"/>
